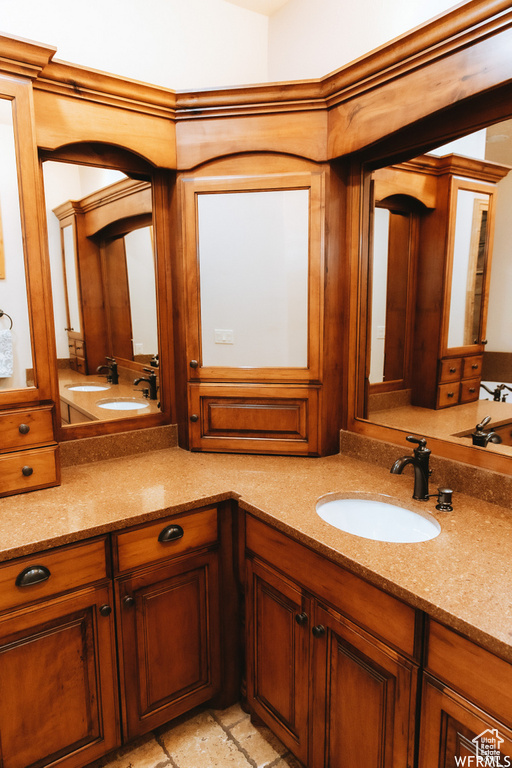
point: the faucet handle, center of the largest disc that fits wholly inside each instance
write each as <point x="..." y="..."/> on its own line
<point x="421" y="441"/>
<point x="483" y="423"/>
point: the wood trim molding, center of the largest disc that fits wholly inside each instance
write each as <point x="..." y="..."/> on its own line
<point x="23" y="57"/>
<point x="74" y="81"/>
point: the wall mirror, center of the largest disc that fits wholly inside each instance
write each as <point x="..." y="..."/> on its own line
<point x="16" y="363"/>
<point x="103" y="271"/>
<point x="436" y="352"/>
<point x="253" y="274"/>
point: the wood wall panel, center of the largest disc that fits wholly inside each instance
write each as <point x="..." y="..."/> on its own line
<point x="405" y="99"/>
<point x="294" y="133"/>
<point x="255" y="418"/>
<point x="63" y="120"/>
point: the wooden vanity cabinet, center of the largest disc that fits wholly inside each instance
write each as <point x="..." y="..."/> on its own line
<point x="467" y="697"/>
<point x="167" y="600"/>
<point x="331" y="661"/>
<point x="58" y="702"/>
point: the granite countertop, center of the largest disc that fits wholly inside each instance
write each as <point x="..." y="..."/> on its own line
<point x="462" y="577"/>
<point x="449" y="423"/>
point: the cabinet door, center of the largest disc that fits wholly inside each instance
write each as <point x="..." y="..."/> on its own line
<point x="58" y="682"/>
<point x="364" y="698"/>
<point x="455" y="732"/>
<point x="277" y="624"/>
<point x="168" y="640"/>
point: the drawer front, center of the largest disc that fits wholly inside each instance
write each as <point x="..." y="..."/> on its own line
<point x="482" y="677"/>
<point x="28" y="470"/>
<point x="469" y="390"/>
<point x="79" y="348"/>
<point x="25" y="428"/>
<point x="80" y="365"/>
<point x="141" y="546"/>
<point x="60" y="570"/>
<point x="472" y="367"/>
<point x="448" y="394"/>
<point x="382" y="614"/>
<point x="450" y="370"/>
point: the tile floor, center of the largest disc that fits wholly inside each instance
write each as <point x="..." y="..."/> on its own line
<point x="205" y="739"/>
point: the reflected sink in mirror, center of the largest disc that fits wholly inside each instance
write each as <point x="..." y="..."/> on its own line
<point x="122" y="404"/>
<point x="93" y="387"/>
<point x="378" y="517"/>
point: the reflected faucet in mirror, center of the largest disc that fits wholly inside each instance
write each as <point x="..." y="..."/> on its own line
<point x="111" y="368"/>
<point x="152" y="390"/>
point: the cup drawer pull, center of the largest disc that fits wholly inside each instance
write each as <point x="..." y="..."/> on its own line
<point x="170" y="533"/>
<point x="34" y="574"/>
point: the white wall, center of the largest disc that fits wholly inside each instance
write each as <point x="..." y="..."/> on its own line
<point x="178" y="44"/>
<point x="310" y="38"/>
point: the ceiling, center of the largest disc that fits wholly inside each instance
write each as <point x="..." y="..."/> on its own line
<point x="266" y="7"/>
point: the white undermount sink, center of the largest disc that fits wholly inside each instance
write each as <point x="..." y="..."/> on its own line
<point x="378" y="517"/>
<point x="122" y="404"/>
<point x="87" y="387"/>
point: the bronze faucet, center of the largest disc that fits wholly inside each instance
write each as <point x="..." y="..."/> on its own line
<point x="420" y="461"/>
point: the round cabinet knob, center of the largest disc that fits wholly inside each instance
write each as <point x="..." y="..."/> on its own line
<point x="23" y="429"/>
<point x="471" y="389"/>
<point x="194" y="364"/>
<point x="452" y="370"/>
<point x="450" y="394"/>
<point x="128" y="601"/>
<point x="301" y="618"/>
<point x="105" y="610"/>
<point x="318" y="631"/>
<point x="27" y="471"/>
<point x="474" y="366"/>
<point x="194" y="417"/>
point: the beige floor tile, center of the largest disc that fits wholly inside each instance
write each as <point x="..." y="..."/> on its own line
<point x="260" y="743"/>
<point x="201" y="743"/>
<point x="143" y="753"/>
<point x="230" y="716"/>
<point x="288" y="761"/>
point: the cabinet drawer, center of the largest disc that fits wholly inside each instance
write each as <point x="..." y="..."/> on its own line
<point x="25" y="428"/>
<point x="141" y="546"/>
<point x="382" y="614"/>
<point x="448" y="394"/>
<point x="472" y="367"/>
<point x="68" y="567"/>
<point x="450" y="370"/>
<point x="28" y="470"/>
<point x="469" y="390"/>
<point x="79" y="348"/>
<point x="476" y="673"/>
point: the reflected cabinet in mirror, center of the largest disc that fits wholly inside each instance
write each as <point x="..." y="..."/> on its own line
<point x="438" y="352"/>
<point x="102" y="257"/>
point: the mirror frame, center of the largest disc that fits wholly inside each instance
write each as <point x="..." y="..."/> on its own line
<point x="162" y="182"/>
<point x="33" y="228"/>
<point x="437" y="129"/>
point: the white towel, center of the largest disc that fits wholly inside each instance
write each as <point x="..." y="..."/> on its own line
<point x="6" y="361"/>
